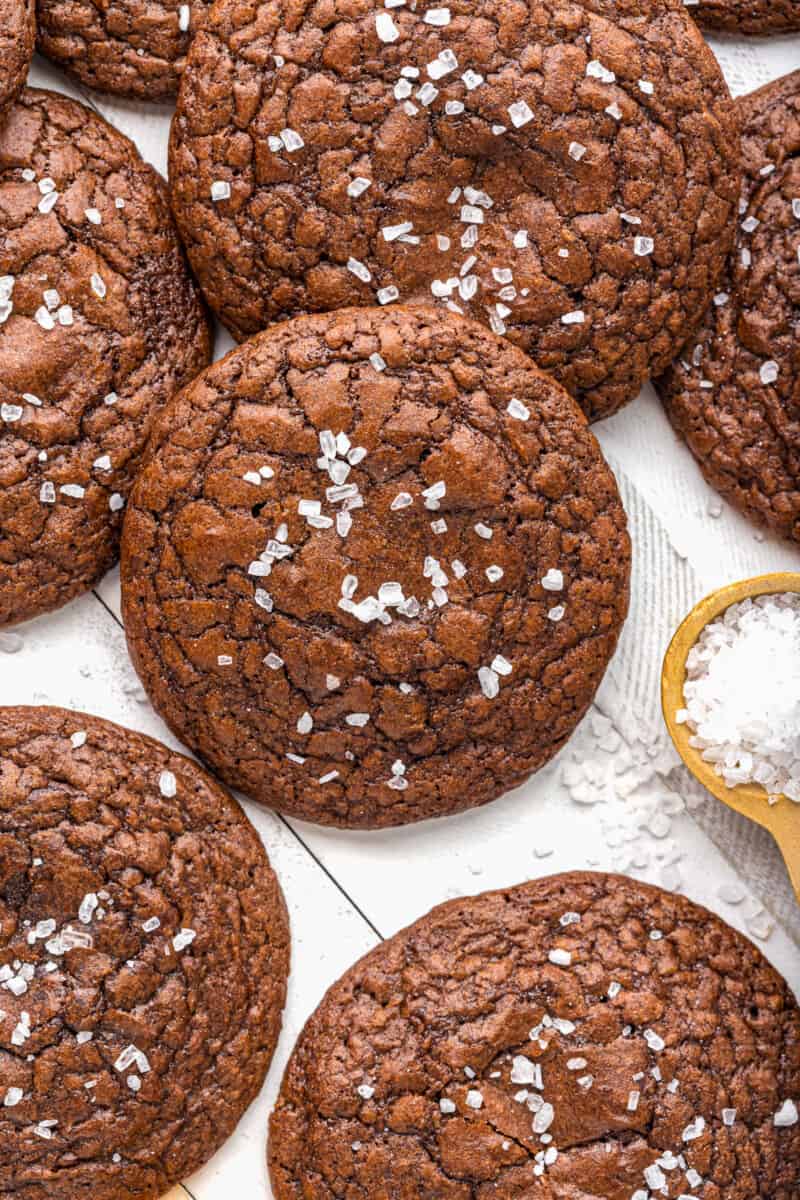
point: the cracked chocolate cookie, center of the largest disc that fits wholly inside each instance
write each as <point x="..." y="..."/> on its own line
<point x="100" y="323"/>
<point x="16" y="48"/>
<point x="735" y="393"/>
<point x="132" y="48"/>
<point x="582" y="1036"/>
<point x="375" y="566"/>
<point x="567" y="175"/>
<point x="144" y="945"/>
<point x="748" y="16"/>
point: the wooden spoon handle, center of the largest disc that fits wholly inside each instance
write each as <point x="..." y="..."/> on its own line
<point x="784" y="825"/>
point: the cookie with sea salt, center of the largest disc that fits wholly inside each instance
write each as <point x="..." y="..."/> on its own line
<point x="145" y="950"/>
<point x="132" y="48"/>
<point x="567" y="176"/>
<point x="748" y="16"/>
<point x="100" y="323"/>
<point x="17" y="32"/>
<point x="734" y="395"/>
<point x="584" y="1035"/>
<point x="375" y="566"/>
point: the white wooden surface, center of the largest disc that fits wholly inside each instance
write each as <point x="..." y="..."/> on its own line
<point x="345" y="890"/>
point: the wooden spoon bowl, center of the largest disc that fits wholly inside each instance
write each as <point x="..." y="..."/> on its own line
<point x="781" y="819"/>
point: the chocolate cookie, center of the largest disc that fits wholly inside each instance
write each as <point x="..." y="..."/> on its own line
<point x="568" y="177"/>
<point x="17" y="32"/>
<point x="582" y="1036"/>
<point x="378" y="572"/>
<point x="735" y="393"/>
<point x="748" y="16"/>
<point x="145" y="951"/>
<point x="100" y="322"/>
<point x="130" y="47"/>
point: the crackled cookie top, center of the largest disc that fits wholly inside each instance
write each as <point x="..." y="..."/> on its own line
<point x="735" y="393"/>
<point x="581" y="1036"/>
<point x="129" y="47"/>
<point x="565" y="173"/>
<point x="100" y="323"/>
<point x="144" y="949"/>
<point x="747" y="16"/>
<point x="16" y="48"/>
<point x="375" y="567"/>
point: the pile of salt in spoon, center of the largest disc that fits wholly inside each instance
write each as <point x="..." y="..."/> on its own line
<point x="742" y="694"/>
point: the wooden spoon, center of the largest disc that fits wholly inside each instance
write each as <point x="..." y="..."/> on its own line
<point x="781" y="819"/>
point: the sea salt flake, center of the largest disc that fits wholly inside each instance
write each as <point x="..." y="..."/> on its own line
<point x="489" y="681"/>
<point x="518" y="410"/>
<point x="385" y="28"/>
<point x="87" y="908"/>
<point x="358" y="269"/>
<point x="694" y="1130"/>
<point x="167" y="784"/>
<point x="520" y="114"/>
<point x="786" y="1115"/>
<point x="356" y="187"/>
<point x="292" y="140"/>
<point x="654" y="1040"/>
<point x="560" y="958"/>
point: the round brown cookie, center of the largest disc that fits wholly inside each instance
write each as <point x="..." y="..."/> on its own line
<point x="568" y="176"/>
<point x="100" y="322"/>
<point x="584" y="1035"/>
<point x="145" y="950"/>
<point x="130" y="47"/>
<point x="735" y="393"/>
<point x="748" y="16"/>
<point x="17" y="33"/>
<point x="379" y="572"/>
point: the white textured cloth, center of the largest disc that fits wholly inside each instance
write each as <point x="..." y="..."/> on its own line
<point x="664" y="588"/>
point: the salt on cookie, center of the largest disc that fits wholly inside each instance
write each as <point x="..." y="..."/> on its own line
<point x="145" y="952"/>
<point x="380" y="573"/>
<point x="580" y="1035"/>
<point x="133" y="48"/>
<point x="733" y="395"/>
<point x="17" y="32"/>
<point x="569" y="181"/>
<point x="100" y="323"/>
